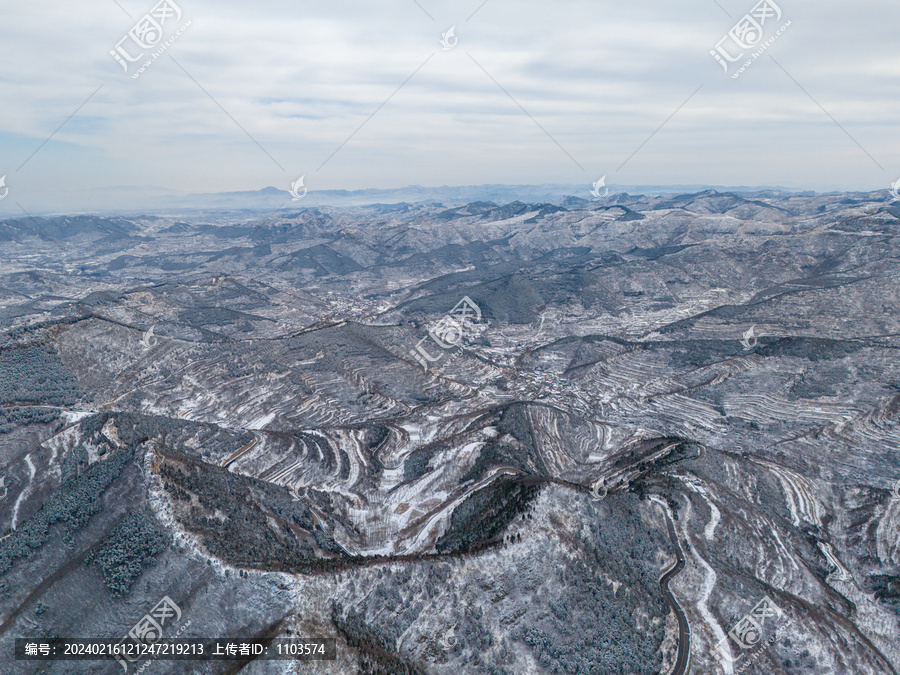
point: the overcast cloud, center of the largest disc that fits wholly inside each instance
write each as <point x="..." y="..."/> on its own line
<point x="597" y="79"/>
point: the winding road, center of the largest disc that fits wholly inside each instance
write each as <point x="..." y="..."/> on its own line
<point x="682" y="661"/>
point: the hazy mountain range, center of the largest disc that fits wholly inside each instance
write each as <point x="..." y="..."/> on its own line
<point x="159" y="200"/>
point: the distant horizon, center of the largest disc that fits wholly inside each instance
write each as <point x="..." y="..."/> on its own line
<point x="357" y="97"/>
<point x="157" y="200"/>
<point x="419" y="186"/>
<point x="671" y="186"/>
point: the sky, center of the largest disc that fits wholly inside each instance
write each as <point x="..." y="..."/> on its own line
<point x="356" y="95"/>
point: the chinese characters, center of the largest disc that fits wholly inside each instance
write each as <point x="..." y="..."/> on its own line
<point x="149" y="628"/>
<point x="146" y="34"/>
<point x="448" y="332"/>
<point x="747" y="633"/>
<point x="746" y="34"/>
